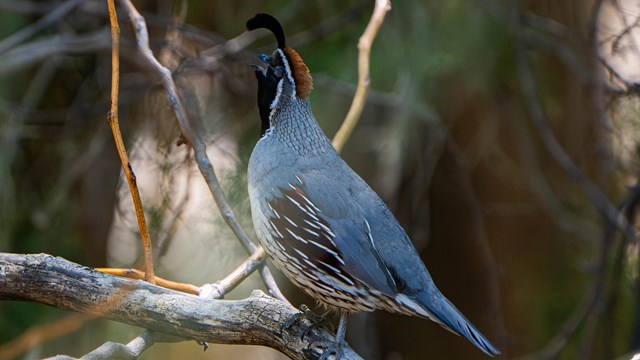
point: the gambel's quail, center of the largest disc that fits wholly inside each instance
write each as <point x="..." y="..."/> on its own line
<point x="321" y="224"/>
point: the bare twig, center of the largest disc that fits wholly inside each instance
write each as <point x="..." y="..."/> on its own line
<point x="139" y="275"/>
<point x="270" y="283"/>
<point x="44" y="22"/>
<point x="553" y="348"/>
<point x="256" y="320"/>
<point x="165" y="238"/>
<point x="38" y="335"/>
<point x="112" y="119"/>
<point x="141" y="343"/>
<point x="10" y="138"/>
<point x="594" y="296"/>
<point x="218" y="289"/>
<point x="36" y="51"/>
<point x="609" y="299"/>
<point x="364" y="53"/>
<point x="613" y="221"/>
<point x="132" y="350"/>
<point x="626" y="30"/>
<point x="599" y="200"/>
<point x="629" y="87"/>
<point x="173" y="36"/>
<point x="27" y="7"/>
<point x="190" y="136"/>
<point x="631" y="211"/>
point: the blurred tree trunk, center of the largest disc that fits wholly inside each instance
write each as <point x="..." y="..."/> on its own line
<point x="497" y="190"/>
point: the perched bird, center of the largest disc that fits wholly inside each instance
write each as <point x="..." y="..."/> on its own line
<point x="321" y="224"/>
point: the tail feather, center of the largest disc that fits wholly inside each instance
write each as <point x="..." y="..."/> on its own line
<point x="443" y="312"/>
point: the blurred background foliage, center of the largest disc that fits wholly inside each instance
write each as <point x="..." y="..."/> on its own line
<point x="449" y="137"/>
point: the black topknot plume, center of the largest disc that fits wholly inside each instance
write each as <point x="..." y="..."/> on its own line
<point x="268" y="22"/>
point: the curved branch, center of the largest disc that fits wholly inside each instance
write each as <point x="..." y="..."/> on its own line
<point x="191" y="137"/>
<point x="114" y="124"/>
<point x="364" y="53"/>
<point x="256" y="320"/>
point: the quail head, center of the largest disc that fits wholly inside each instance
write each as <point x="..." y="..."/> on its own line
<point x="321" y="224"/>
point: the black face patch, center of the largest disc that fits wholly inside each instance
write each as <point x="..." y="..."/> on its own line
<point x="268" y="79"/>
<point x="267" y="91"/>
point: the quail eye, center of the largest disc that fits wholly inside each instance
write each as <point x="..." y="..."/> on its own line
<point x="279" y="71"/>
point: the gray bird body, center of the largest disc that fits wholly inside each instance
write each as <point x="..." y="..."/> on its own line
<point x="330" y="233"/>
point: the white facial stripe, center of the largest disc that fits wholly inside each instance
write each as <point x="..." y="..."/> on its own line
<point x="287" y="69"/>
<point x="278" y="92"/>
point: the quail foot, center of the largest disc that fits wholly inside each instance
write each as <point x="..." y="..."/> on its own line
<point x="321" y="224"/>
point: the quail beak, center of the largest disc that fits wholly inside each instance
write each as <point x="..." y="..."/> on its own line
<point x="262" y="69"/>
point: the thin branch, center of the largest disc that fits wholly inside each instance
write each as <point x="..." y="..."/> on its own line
<point x="613" y="221"/>
<point x="218" y="289"/>
<point x="139" y="275"/>
<point x="599" y="200"/>
<point x="112" y="119"/>
<point x="36" y="51"/>
<point x="10" y="138"/>
<point x="631" y="213"/>
<point x="270" y="283"/>
<point x="166" y="237"/>
<point x="27" y="7"/>
<point x="256" y="320"/>
<point x="142" y="38"/>
<point x="631" y="88"/>
<point x="43" y="23"/>
<point x="40" y="334"/>
<point x="553" y="348"/>
<point x="132" y="350"/>
<point x="594" y="296"/>
<point x="190" y="137"/>
<point x="627" y="30"/>
<point x="364" y="54"/>
<point x="141" y="343"/>
<point x="215" y="290"/>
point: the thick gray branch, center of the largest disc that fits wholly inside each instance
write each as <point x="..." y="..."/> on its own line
<point x="65" y="285"/>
